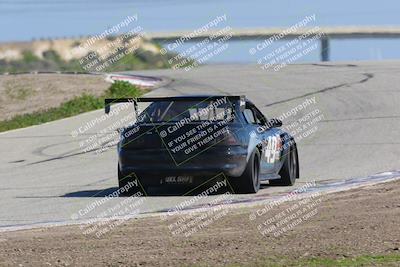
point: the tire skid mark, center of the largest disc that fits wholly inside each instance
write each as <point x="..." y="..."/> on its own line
<point x="368" y="76"/>
<point x="66" y="155"/>
<point x="332" y="66"/>
<point x="74" y="152"/>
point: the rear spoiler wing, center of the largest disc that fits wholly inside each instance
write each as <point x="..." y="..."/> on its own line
<point x="109" y="101"/>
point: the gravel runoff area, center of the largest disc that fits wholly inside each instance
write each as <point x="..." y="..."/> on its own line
<point x="358" y="222"/>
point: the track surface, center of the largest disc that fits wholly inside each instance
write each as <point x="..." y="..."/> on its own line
<point x="45" y="177"/>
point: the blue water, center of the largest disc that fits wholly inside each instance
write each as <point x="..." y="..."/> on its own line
<point x="34" y="19"/>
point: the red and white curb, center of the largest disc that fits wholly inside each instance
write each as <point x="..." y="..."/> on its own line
<point x="138" y="80"/>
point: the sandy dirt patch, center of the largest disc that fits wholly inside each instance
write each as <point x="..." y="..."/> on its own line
<point x="358" y="222"/>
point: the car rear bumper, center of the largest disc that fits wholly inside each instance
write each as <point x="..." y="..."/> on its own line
<point x="158" y="163"/>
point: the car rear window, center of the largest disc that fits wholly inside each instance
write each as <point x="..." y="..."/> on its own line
<point x="173" y="111"/>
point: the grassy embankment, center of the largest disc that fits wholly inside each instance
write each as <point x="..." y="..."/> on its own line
<point x="369" y="260"/>
<point x="72" y="107"/>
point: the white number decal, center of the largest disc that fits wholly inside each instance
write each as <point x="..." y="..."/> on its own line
<point x="273" y="149"/>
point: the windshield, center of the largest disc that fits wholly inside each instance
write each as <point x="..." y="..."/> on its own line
<point x="173" y="111"/>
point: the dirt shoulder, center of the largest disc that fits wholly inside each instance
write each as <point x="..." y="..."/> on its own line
<point x="360" y="222"/>
<point x="26" y="93"/>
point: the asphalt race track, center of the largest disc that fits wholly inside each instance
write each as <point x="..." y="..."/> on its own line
<point x="46" y="178"/>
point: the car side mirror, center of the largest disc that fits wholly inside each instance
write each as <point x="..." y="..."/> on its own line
<point x="274" y="123"/>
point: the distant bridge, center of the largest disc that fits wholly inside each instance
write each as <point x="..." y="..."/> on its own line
<point x="345" y="32"/>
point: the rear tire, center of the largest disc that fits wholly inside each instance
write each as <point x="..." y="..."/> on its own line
<point x="249" y="182"/>
<point x="288" y="171"/>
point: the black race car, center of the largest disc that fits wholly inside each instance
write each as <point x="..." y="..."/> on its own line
<point x="188" y="139"/>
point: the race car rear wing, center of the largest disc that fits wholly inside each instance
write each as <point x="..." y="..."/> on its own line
<point x="109" y="101"/>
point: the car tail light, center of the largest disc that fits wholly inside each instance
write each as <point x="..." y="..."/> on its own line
<point x="229" y="139"/>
